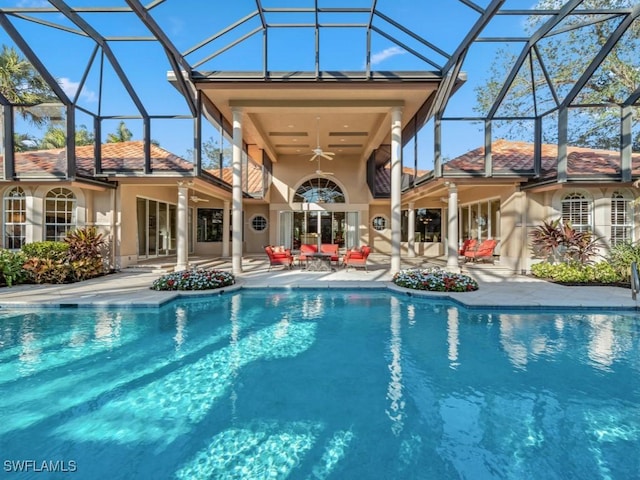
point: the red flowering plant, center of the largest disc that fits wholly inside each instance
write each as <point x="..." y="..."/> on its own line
<point x="195" y="279"/>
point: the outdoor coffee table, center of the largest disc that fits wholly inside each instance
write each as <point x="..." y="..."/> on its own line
<point x="318" y="262"/>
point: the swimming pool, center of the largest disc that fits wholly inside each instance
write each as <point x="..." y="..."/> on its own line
<point x="320" y="384"/>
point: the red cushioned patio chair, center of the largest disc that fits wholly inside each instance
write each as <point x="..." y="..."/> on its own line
<point x="279" y="256"/>
<point x="484" y="251"/>
<point x="356" y="257"/>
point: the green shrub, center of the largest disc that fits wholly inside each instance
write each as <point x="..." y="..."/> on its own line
<point x="622" y="256"/>
<point x="11" y="271"/>
<point x="48" y="249"/>
<point x="574" y="272"/>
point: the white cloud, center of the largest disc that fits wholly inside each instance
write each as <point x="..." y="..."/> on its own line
<point x="33" y="4"/>
<point x="385" y="54"/>
<point x="70" y="88"/>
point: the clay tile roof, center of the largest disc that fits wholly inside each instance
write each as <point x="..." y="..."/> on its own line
<point x="517" y="157"/>
<point x="252" y="184"/>
<point x="121" y="156"/>
<point x="383" y="178"/>
<point x="129" y="156"/>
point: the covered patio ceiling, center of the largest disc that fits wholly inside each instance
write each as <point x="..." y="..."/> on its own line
<point x="348" y="116"/>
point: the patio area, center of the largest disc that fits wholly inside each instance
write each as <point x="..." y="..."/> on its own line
<point x="499" y="288"/>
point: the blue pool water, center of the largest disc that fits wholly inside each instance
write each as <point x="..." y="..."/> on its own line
<point x="319" y="384"/>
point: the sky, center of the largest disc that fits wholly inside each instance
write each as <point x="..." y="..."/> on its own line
<point x="71" y="59"/>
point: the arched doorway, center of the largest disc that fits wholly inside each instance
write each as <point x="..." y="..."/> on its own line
<point x="322" y="216"/>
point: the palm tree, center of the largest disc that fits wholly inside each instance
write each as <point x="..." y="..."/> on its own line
<point x="122" y="134"/>
<point x="22" y="85"/>
<point x="56" y="137"/>
<point x="23" y="142"/>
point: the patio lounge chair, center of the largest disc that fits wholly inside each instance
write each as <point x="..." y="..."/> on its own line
<point x="356" y="257"/>
<point x="467" y="245"/>
<point x="484" y="251"/>
<point x="279" y="256"/>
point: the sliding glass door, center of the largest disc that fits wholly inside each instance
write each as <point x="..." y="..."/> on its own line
<point x="317" y="227"/>
<point x="157" y="228"/>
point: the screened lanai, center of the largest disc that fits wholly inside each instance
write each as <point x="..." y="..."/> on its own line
<point x="398" y="88"/>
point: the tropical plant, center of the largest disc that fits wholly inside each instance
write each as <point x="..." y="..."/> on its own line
<point x="11" y="271"/>
<point x="621" y="256"/>
<point x="122" y="134"/>
<point x="47" y="270"/>
<point x="196" y="279"/>
<point x="86" y="246"/>
<point x="435" y="280"/>
<point x="84" y="243"/>
<point x="23" y="142"/>
<point x="575" y="272"/>
<point x="47" y="249"/>
<point x="22" y="85"/>
<point x="557" y="241"/>
<point x="546" y="241"/>
<point x="56" y="137"/>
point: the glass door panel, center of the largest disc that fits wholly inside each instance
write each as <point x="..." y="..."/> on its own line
<point x="286" y="230"/>
<point x="326" y="232"/>
<point x="173" y="229"/>
<point x="141" y="205"/>
<point x="153" y="227"/>
<point x="353" y="223"/>
<point x="299" y="228"/>
<point x="310" y="236"/>
<point x="163" y="229"/>
<point x="338" y="227"/>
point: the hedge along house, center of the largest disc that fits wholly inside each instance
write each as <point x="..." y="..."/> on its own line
<point x="272" y="121"/>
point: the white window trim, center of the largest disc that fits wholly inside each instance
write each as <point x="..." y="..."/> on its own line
<point x="266" y="223"/>
<point x="386" y="223"/>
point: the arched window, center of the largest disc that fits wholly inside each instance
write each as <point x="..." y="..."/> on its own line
<point x="60" y="213"/>
<point x="15" y="218"/>
<point x="319" y="190"/>
<point x="621" y="219"/>
<point x="576" y="209"/>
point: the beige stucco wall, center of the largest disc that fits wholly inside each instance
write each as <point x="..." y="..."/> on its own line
<point x="348" y="173"/>
<point x="255" y="241"/>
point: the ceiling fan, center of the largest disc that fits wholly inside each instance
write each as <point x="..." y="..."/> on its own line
<point x="321" y="172"/>
<point x="318" y="152"/>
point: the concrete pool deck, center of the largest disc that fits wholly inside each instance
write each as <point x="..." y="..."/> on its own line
<point x="497" y="288"/>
